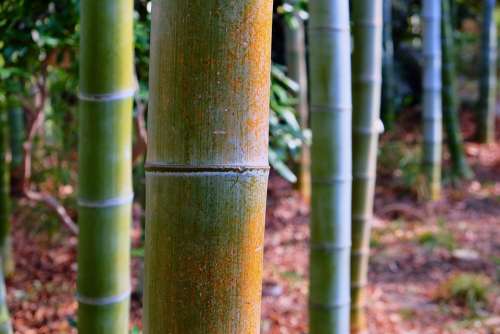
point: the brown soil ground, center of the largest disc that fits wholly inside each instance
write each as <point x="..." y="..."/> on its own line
<point x="407" y="267"/>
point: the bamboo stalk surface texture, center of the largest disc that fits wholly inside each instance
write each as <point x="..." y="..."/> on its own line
<point x="6" y="259"/>
<point x="331" y="117"/>
<point x="366" y="89"/>
<point x="297" y="71"/>
<point x="105" y="164"/>
<point x="207" y="166"/>
<point x="432" y="107"/>
<point x="388" y="107"/>
<point x="16" y="139"/>
<point x="451" y="120"/>
<point x="488" y="79"/>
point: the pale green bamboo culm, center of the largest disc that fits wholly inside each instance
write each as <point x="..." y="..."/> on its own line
<point x="432" y="108"/>
<point x="105" y="165"/>
<point x="207" y="166"/>
<point x="388" y="107"/>
<point x="331" y="117"/>
<point x="5" y="323"/>
<point x="297" y="71"/>
<point x="16" y="139"/>
<point x="6" y="259"/>
<point x="366" y="91"/>
<point x="488" y="80"/>
<point x="5" y="252"/>
<point x="460" y="167"/>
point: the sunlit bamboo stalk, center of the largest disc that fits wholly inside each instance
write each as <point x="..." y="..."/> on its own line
<point x="105" y="164"/>
<point x="207" y="166"/>
<point x="432" y="108"/>
<point x="331" y="116"/>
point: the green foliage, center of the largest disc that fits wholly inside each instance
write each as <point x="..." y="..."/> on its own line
<point x="466" y="290"/>
<point x="286" y="136"/>
<point x="442" y="238"/>
<point x="294" y="10"/>
<point x="35" y="36"/>
<point x="404" y="163"/>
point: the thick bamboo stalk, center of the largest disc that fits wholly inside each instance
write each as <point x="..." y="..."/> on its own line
<point x="207" y="165"/>
<point x="297" y="71"/>
<point x="460" y="167"/>
<point x="488" y="79"/>
<point x="331" y="116"/>
<point x="388" y="108"/>
<point x="432" y="107"/>
<point x="366" y="89"/>
<point x="5" y="244"/>
<point x="16" y="137"/>
<point x="5" y="324"/>
<point x="105" y="164"/>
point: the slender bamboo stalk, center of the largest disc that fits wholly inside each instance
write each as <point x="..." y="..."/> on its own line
<point x="331" y="116"/>
<point x="388" y="108"/>
<point x="105" y="165"/>
<point x="207" y="165"/>
<point x="297" y="71"/>
<point x="432" y="107"/>
<point x="367" y="17"/>
<point x="5" y="243"/>
<point x="460" y="166"/>
<point x="5" y="324"/>
<point x="16" y="137"/>
<point x="488" y="79"/>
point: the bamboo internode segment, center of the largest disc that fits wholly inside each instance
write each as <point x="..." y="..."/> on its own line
<point x="367" y="17"/>
<point x="207" y="165"/>
<point x="388" y="109"/>
<point x="6" y="259"/>
<point x="331" y="105"/>
<point x="451" y="119"/>
<point x="488" y="79"/>
<point x="432" y="106"/>
<point x="105" y="165"/>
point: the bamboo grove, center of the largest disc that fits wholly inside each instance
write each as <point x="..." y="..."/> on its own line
<point x="210" y="98"/>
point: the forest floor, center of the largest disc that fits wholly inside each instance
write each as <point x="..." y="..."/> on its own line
<point x="418" y="249"/>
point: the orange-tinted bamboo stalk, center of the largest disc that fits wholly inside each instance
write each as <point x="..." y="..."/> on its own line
<point x="207" y="165"/>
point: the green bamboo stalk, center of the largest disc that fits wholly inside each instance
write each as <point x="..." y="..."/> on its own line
<point x="432" y="107"/>
<point x="331" y="116"/>
<point x="105" y="165"/>
<point x="207" y="165"/>
<point x="388" y="107"/>
<point x="5" y="243"/>
<point x="460" y="167"/>
<point x="297" y="71"/>
<point x="5" y="324"/>
<point x="16" y="137"/>
<point x="367" y="17"/>
<point x="488" y="80"/>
